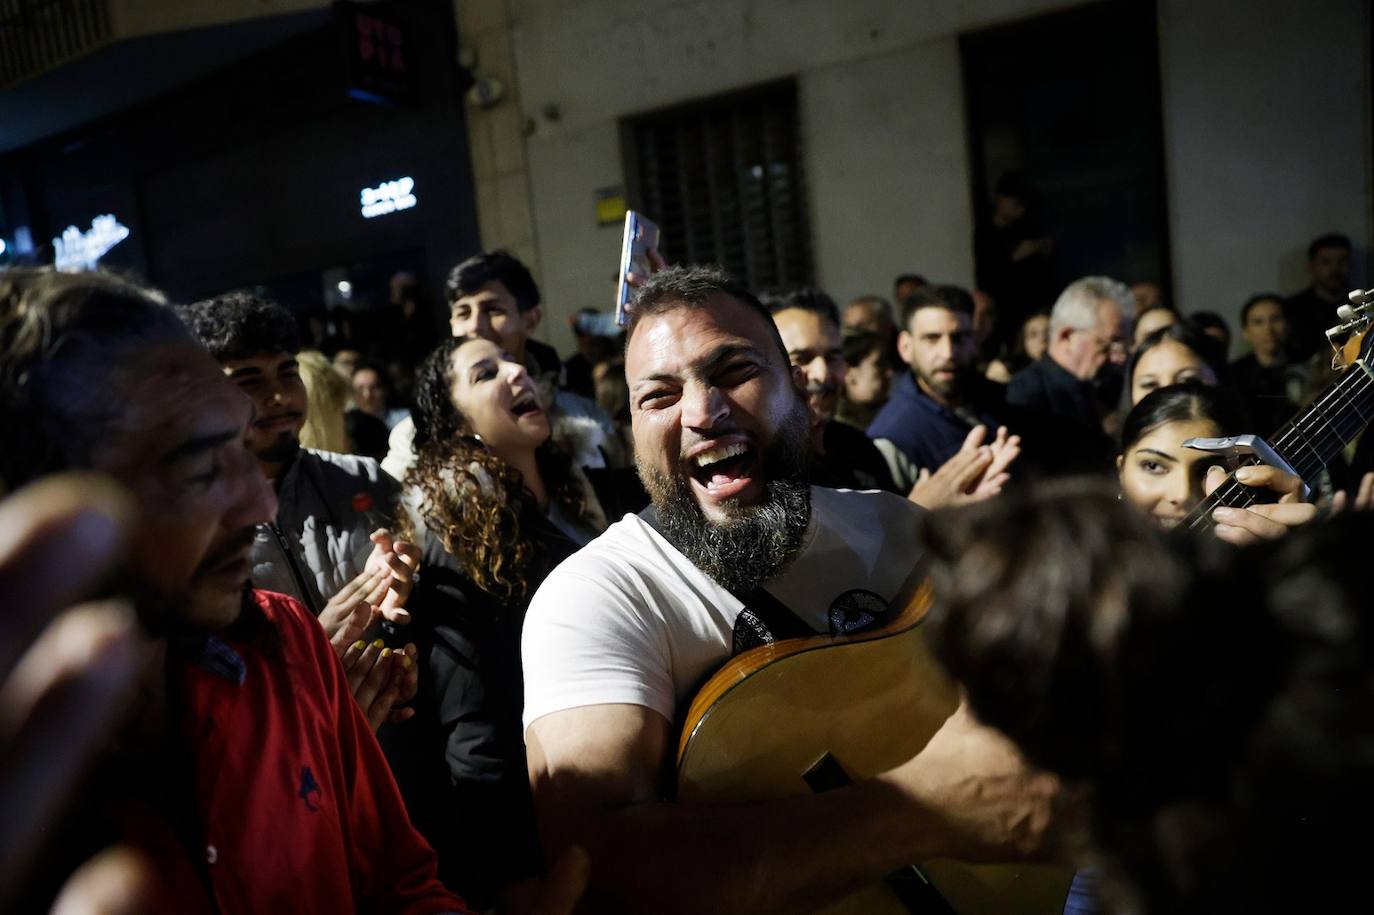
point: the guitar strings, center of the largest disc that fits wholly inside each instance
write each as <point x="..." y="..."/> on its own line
<point x="1351" y="388"/>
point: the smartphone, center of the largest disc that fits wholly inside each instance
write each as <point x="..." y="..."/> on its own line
<point x="641" y="234"/>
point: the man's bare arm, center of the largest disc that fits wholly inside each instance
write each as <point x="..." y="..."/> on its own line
<point x="597" y="774"/>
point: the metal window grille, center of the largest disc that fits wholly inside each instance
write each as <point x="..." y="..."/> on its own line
<point x="723" y="179"/>
<point x="38" y="35"/>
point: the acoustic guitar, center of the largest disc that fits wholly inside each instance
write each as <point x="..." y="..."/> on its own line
<point x="815" y="713"/>
<point x="1321" y="431"/>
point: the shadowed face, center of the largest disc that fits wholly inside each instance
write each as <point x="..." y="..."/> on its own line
<point x="813" y="348"/>
<point x="273" y="383"/>
<point x="492" y="313"/>
<point x="180" y="447"/>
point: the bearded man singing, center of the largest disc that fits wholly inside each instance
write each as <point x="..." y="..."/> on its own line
<point x="736" y="549"/>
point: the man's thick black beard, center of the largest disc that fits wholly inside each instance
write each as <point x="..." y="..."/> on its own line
<point x="757" y="541"/>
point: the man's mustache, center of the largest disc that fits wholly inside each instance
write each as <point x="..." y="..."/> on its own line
<point x="237" y="543"/>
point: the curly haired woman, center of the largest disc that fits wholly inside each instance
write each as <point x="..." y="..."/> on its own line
<point x="495" y="503"/>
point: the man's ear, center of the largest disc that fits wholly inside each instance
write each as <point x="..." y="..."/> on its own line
<point x="905" y="346"/>
<point x="532" y="318"/>
<point x="799" y="379"/>
<point x="1120" y="460"/>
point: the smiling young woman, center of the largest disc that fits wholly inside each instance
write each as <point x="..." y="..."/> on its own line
<point x="1158" y="475"/>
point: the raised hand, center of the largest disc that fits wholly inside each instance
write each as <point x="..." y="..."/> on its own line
<point x="400" y="560"/>
<point x="381" y="679"/>
<point x="1005" y="450"/>
<point x="975" y="472"/>
<point x="66" y="671"/>
<point x="351" y="612"/>
<point x="656" y="263"/>
<point x="1260" y="522"/>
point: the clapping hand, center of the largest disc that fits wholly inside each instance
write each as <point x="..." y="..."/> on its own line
<point x="976" y="472"/>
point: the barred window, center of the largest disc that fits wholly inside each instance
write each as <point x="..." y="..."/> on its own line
<point x="723" y="179"/>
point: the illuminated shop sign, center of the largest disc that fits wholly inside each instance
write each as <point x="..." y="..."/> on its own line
<point x="77" y="250"/>
<point x="389" y="197"/>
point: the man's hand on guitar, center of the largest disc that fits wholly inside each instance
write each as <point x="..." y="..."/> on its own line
<point x="993" y="805"/>
<point x="1260" y="522"/>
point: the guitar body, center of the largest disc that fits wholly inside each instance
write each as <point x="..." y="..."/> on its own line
<point x="871" y="702"/>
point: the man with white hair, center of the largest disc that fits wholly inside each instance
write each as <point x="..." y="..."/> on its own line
<point x="1057" y="390"/>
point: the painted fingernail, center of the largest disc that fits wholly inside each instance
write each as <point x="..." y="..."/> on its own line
<point x="379" y="644"/>
<point x="359" y="645"/>
<point x="405" y="661"/>
<point x="386" y="652"/>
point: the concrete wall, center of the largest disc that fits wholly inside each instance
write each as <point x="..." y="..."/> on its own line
<point x="880" y="111"/>
<point x="1266" y="122"/>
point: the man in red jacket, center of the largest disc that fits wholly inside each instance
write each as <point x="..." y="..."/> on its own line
<point x="247" y="773"/>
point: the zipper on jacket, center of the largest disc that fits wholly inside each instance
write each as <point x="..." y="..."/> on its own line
<point x="301" y="585"/>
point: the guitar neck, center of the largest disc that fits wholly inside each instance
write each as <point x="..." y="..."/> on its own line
<point x="1308" y="443"/>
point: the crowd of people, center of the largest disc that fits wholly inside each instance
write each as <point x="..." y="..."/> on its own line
<point x="301" y="622"/>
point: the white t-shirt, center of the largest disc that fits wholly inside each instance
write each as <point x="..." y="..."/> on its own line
<point x="630" y="620"/>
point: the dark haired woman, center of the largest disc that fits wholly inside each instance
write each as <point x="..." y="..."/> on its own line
<point x="1173" y="354"/>
<point x="495" y="505"/>
<point x="1167" y="481"/>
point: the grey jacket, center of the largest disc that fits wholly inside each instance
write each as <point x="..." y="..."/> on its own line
<point x="319" y="541"/>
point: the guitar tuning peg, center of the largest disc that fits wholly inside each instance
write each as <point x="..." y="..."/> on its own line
<point x="1361" y="296"/>
<point x="1346" y="313"/>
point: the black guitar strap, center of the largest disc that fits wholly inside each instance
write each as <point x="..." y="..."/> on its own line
<point x="764" y="619"/>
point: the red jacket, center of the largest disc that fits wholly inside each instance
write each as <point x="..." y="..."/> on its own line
<point x="298" y="811"/>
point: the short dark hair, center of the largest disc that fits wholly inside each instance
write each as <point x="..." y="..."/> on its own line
<point x="692" y="286"/>
<point x="926" y="297"/>
<point x="858" y="345"/>
<point x="910" y="278"/>
<point x="957" y="298"/>
<point x="1105" y="650"/>
<point x="805" y="298"/>
<point x="1182" y="402"/>
<point x="373" y="365"/>
<point x="1329" y="240"/>
<point x="1254" y="300"/>
<point x="63" y="336"/>
<point x="493" y="266"/>
<point x="241" y="325"/>
<point x="1184" y="331"/>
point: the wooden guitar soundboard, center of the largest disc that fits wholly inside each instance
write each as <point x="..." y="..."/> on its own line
<point x="806" y="714"/>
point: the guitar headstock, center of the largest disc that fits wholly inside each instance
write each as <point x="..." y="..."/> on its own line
<point x="1351" y="339"/>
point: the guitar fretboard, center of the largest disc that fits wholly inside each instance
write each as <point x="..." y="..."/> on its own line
<point x="1307" y="443"/>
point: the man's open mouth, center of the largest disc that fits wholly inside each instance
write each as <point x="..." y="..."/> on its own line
<point x="726" y="470"/>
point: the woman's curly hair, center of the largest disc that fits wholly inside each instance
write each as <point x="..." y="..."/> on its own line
<point x="471" y="499"/>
